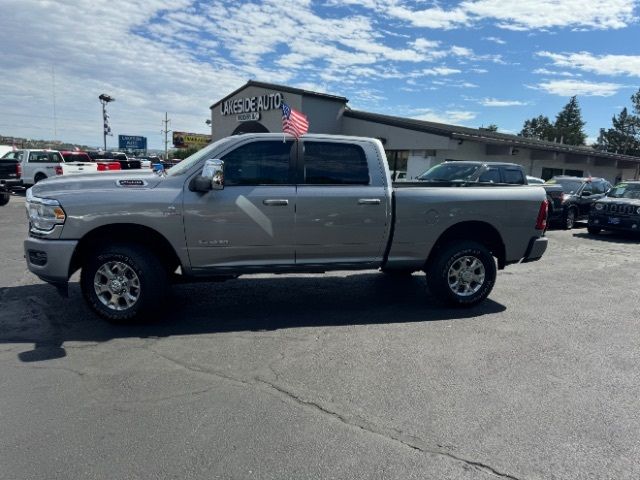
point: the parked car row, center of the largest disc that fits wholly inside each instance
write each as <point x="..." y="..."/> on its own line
<point x="27" y="167"/>
<point x="570" y="199"/>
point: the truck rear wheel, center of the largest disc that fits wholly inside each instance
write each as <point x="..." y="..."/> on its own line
<point x="124" y="283"/>
<point x="4" y="198"/>
<point x="39" y="177"/>
<point x="462" y="274"/>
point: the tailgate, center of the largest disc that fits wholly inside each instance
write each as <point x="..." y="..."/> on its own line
<point x="78" y="167"/>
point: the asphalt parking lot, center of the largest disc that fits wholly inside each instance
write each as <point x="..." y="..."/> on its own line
<point x="347" y="375"/>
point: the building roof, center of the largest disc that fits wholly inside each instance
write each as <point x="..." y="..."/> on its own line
<point x="282" y="88"/>
<point x="483" y="135"/>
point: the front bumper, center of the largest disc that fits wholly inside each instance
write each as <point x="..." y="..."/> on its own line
<point x="535" y="250"/>
<point x="613" y="222"/>
<point x="49" y="259"/>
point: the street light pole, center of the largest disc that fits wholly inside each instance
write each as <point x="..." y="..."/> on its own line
<point x="104" y="99"/>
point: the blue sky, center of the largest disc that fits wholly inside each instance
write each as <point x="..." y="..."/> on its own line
<point x="472" y="62"/>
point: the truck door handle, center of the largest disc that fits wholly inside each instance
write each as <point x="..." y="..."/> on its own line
<point x="276" y="202"/>
<point x="369" y="201"/>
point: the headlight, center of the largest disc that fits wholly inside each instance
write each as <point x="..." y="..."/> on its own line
<point x="599" y="206"/>
<point x="44" y="213"/>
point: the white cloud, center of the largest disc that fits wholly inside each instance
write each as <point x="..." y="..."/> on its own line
<point x="559" y="73"/>
<point x="494" y="102"/>
<point x="448" y="116"/>
<point x="601" y="64"/>
<point x="440" y="71"/>
<point x="544" y="14"/>
<point x="435" y="17"/>
<point x="516" y="14"/>
<point x="568" y="88"/>
<point x="497" y="40"/>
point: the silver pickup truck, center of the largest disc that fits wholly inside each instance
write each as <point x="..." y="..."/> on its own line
<point x="267" y="203"/>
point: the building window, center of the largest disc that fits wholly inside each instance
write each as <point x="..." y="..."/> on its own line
<point x="398" y="160"/>
<point x="574" y="173"/>
<point x="549" y="173"/>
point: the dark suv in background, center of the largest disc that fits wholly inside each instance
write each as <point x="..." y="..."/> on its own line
<point x="574" y="203"/>
<point x="618" y="210"/>
<point x="463" y="171"/>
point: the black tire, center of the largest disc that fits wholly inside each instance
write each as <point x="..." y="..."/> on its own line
<point x="4" y="198"/>
<point x="594" y="230"/>
<point x="153" y="283"/>
<point x="440" y="266"/>
<point x="570" y="218"/>
<point x="39" y="177"/>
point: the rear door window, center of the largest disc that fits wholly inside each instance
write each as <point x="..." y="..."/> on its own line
<point x="327" y="163"/>
<point x="491" y="175"/>
<point x="39" y="157"/>
<point x="513" y="176"/>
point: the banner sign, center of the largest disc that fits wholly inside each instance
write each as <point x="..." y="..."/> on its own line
<point x="132" y="142"/>
<point x="189" y="140"/>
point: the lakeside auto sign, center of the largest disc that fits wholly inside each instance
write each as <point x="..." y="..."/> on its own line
<point x="249" y="108"/>
<point x="190" y="140"/>
<point x="132" y="142"/>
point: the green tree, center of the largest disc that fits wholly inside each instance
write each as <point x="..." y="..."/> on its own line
<point x="569" y="124"/>
<point x="624" y="135"/>
<point x="183" y="153"/>
<point x="538" y="127"/>
<point x="492" y="127"/>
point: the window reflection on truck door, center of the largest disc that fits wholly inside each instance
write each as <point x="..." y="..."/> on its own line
<point x="340" y="215"/>
<point x="250" y="222"/>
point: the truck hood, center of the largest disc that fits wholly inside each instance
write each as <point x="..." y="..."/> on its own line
<point x="57" y="187"/>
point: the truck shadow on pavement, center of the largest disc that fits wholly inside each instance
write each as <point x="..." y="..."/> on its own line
<point x="611" y="237"/>
<point x="36" y="314"/>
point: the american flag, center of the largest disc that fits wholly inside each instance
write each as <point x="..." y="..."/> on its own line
<point x="294" y="122"/>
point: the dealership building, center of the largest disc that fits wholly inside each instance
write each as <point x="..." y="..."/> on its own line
<point x="412" y="146"/>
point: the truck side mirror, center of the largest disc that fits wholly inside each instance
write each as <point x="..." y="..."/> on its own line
<point x="212" y="177"/>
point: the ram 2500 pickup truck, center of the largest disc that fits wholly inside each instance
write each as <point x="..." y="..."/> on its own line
<point x="263" y="203"/>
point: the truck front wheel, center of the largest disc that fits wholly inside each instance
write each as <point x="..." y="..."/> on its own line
<point x="124" y="283"/>
<point x="462" y="274"/>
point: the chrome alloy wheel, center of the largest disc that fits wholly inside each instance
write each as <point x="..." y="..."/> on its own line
<point x="466" y="276"/>
<point x="116" y="285"/>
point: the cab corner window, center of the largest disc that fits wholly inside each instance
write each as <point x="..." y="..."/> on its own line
<point x="327" y="163"/>
<point x="258" y="163"/>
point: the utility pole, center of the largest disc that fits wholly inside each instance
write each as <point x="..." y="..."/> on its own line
<point x="166" y="131"/>
<point x="106" y="128"/>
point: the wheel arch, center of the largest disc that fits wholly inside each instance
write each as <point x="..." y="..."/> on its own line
<point x="478" y="231"/>
<point x="133" y="234"/>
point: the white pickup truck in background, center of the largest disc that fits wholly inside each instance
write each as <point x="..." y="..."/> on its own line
<point x="40" y="164"/>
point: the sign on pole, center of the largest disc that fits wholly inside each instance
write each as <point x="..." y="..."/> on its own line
<point x="132" y="142"/>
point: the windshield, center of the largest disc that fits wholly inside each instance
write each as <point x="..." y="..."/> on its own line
<point x="569" y="186"/>
<point x="190" y="161"/>
<point x="625" y="190"/>
<point x="449" y="172"/>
